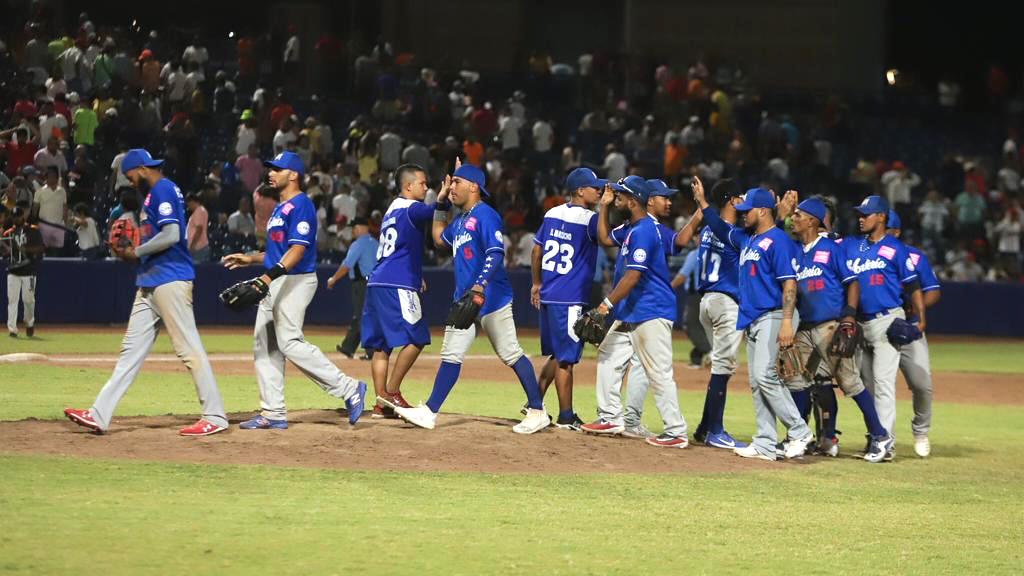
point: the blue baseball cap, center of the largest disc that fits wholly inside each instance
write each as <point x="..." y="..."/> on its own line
<point x="814" y="207"/>
<point x="659" y="188"/>
<point x="138" y="157"/>
<point x="893" y="221"/>
<point x="634" y="185"/>
<point x="873" y="205"/>
<point x="287" y="161"/>
<point x="756" y="198"/>
<point x="583" y="178"/>
<point x="474" y="175"/>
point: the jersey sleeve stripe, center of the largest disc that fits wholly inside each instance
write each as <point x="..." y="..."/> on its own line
<point x="908" y="279"/>
<point x="636" y="266"/>
<point x="494" y="249"/>
<point x="298" y="241"/>
<point x="162" y="221"/>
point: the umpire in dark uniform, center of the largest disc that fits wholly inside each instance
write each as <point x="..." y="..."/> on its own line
<point x="358" y="263"/>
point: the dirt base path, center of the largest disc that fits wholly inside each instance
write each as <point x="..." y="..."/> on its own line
<point x="323" y="439"/>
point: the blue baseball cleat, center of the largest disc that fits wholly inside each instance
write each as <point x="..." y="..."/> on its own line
<point x="354" y="403"/>
<point x="261" y="423"/>
<point x="723" y="440"/>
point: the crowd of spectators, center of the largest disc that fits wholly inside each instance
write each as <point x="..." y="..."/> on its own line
<point x="74" y="101"/>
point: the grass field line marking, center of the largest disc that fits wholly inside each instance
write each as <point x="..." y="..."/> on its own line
<point x="90" y="359"/>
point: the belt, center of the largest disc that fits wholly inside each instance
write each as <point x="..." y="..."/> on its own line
<point x="876" y="315"/>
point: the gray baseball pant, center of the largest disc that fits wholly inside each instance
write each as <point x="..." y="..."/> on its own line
<point x="170" y="305"/>
<point x="651" y="343"/>
<point x="278" y="337"/>
<point x="23" y="289"/>
<point x="916" y="367"/>
<point x="879" y="363"/>
<point x="772" y="399"/>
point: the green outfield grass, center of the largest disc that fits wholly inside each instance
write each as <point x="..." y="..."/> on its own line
<point x="957" y="513"/>
<point x="998" y="356"/>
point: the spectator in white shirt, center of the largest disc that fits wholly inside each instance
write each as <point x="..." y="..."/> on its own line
<point x="1009" y="178"/>
<point x="196" y="52"/>
<point x="88" y="235"/>
<point x="284" y="137"/>
<point x="615" y="163"/>
<point x="51" y="125"/>
<point x="1007" y="236"/>
<point x="389" y="149"/>
<point x="934" y="212"/>
<point x="51" y="157"/>
<point x="508" y="129"/>
<point x="241" y="221"/>
<point x="897" y="184"/>
<point x="51" y="207"/>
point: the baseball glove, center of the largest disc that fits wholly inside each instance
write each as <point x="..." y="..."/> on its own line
<point x="244" y="294"/>
<point x="590" y="327"/>
<point x="464" y="311"/>
<point x="845" y="340"/>
<point x="789" y="364"/>
<point x="123" y="234"/>
<point x="901" y="332"/>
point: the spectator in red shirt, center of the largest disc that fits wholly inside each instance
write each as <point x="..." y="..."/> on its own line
<point x="25" y="107"/>
<point x="485" y="122"/>
<point x="21" y="149"/>
<point x="281" y="110"/>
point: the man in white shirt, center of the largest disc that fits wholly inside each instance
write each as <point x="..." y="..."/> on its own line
<point x="390" y="150"/>
<point x="51" y="124"/>
<point x="51" y="157"/>
<point x="284" y="137"/>
<point x="615" y="164"/>
<point x="118" y="179"/>
<point x="51" y="207"/>
<point x="898" y="183"/>
<point x="508" y="128"/>
<point x="88" y="235"/>
<point x="345" y="206"/>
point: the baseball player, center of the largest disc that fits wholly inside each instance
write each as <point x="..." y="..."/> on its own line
<point x="645" y="308"/>
<point x="827" y="295"/>
<point x="659" y="205"/>
<point x="393" y="314"/>
<point x="767" y="290"/>
<point x="289" y="283"/>
<point x="480" y="285"/>
<point x="914" y="357"/>
<point x="884" y="269"/>
<point x="719" y="310"/>
<point x="563" y="261"/>
<point x="164" y="298"/>
<point x="22" y="243"/>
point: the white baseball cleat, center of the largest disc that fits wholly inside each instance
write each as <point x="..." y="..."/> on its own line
<point x="420" y="416"/>
<point x="798" y="447"/>
<point x="535" y="421"/>
<point x="750" y="451"/>
<point x="922" y="447"/>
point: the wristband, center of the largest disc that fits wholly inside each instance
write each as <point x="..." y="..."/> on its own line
<point x="276" y="271"/>
<point x="444" y="206"/>
<point x="607" y="304"/>
<point x="848" y="311"/>
<point x="440" y="215"/>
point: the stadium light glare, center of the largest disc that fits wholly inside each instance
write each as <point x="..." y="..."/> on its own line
<point x="891" y="75"/>
<point x="231" y="34"/>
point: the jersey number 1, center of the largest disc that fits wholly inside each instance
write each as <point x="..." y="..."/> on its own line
<point x="564" y="252"/>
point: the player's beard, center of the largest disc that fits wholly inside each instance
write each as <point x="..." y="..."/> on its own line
<point x="143" y="187"/>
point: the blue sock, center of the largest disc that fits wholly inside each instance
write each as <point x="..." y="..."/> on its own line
<point x="829" y="410"/>
<point x="566" y="416"/>
<point x="447" y="374"/>
<point x="717" y="387"/>
<point x="867" y="406"/>
<point x="802" y="398"/>
<point x="528" y="380"/>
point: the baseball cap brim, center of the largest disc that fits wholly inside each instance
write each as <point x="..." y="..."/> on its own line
<point x="868" y="211"/>
<point x="743" y="207"/>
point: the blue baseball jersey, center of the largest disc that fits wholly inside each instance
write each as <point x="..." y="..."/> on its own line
<point x="164" y="205"/>
<point x="766" y="261"/>
<point x="568" y="241"/>
<point x="643" y="250"/>
<point x="400" y="253"/>
<point x="821" y="275"/>
<point x="668" y="236"/>
<point x="473" y="236"/>
<point x="882" y="268"/>
<point x="292" y="222"/>
<point x="719" y="265"/>
<point x="925" y="276"/>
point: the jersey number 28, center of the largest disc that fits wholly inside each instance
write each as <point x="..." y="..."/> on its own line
<point x="387" y="243"/>
<point x="562" y="252"/>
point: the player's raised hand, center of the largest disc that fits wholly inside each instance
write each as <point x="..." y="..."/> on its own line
<point x="446" y="186"/>
<point x="787" y="204"/>
<point x="698" y="192"/>
<point x="608" y="195"/>
<point x="236" y="260"/>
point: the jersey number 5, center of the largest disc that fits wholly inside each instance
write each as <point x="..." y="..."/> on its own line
<point x="387" y="243"/>
<point x="563" y="253"/>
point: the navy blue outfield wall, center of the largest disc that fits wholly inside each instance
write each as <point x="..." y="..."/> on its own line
<point x="101" y="292"/>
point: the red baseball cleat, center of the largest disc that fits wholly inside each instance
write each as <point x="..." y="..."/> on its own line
<point x="603" y="427"/>
<point x="83" y="419"/>
<point x="201" y="428"/>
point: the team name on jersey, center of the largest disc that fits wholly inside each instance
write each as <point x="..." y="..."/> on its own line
<point x="461" y="239"/>
<point x="275" y="221"/>
<point x="560" y="234"/>
<point x="857" y="266"/>
<point x="748" y="255"/>
<point x="812" y="272"/>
